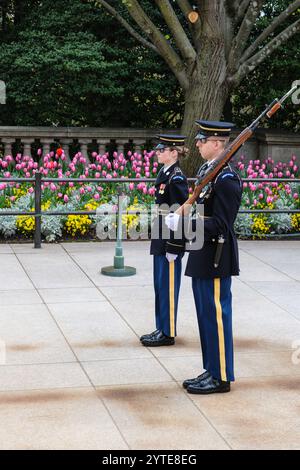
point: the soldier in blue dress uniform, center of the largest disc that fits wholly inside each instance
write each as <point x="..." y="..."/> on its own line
<point x="212" y="266"/>
<point x="167" y="247"/>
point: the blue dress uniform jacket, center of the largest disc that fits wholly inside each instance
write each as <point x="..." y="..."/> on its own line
<point x="171" y="187"/>
<point x="212" y="286"/>
<point x="221" y="205"/>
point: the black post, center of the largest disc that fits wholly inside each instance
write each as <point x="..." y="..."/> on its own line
<point x="38" y="207"/>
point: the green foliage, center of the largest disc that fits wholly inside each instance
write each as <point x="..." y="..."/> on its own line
<point x="272" y="78"/>
<point x="71" y="64"/>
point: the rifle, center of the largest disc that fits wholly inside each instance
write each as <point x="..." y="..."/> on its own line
<point x="218" y="164"/>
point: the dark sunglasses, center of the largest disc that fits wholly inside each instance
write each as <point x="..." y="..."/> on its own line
<point x="162" y="150"/>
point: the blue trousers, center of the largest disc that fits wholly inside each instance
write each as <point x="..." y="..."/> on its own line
<point x="214" y="312"/>
<point x="167" y="278"/>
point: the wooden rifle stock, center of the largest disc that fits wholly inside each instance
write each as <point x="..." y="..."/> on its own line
<point x="230" y="151"/>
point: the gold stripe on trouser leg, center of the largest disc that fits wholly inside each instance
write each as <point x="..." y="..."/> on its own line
<point x="171" y="297"/>
<point x="218" y="306"/>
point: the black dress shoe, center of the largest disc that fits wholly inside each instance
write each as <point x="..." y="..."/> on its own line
<point x="159" y="339"/>
<point x="149" y="335"/>
<point x="188" y="382"/>
<point x="209" y="385"/>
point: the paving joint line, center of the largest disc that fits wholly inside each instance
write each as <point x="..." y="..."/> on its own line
<point x="75" y="355"/>
<point x="155" y="357"/>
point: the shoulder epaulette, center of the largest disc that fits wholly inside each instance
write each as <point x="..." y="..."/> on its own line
<point x="227" y="172"/>
<point x="177" y="175"/>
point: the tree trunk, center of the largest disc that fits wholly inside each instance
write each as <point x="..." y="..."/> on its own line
<point x="203" y="100"/>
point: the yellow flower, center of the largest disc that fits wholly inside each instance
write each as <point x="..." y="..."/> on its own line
<point x="296" y="222"/>
<point x="77" y="224"/>
<point x="25" y="224"/>
<point x="260" y="225"/>
<point x="132" y="220"/>
<point x="46" y="205"/>
<point x="92" y="205"/>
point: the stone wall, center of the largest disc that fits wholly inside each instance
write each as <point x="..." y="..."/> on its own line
<point x="264" y="143"/>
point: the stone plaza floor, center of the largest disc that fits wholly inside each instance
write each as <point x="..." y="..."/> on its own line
<point x="73" y="374"/>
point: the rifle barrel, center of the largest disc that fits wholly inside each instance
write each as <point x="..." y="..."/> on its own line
<point x="278" y="103"/>
<point x="228" y="153"/>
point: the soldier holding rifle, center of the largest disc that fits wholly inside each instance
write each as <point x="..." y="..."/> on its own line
<point x="211" y="267"/>
<point x="219" y="189"/>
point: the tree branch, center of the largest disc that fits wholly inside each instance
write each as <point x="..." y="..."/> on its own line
<point x="194" y="28"/>
<point x="126" y="25"/>
<point x="276" y="22"/>
<point x="236" y="9"/>
<point x="159" y="41"/>
<point x="185" y="6"/>
<point x="232" y="5"/>
<point x="182" y="41"/>
<point x="242" y="10"/>
<point x="260" y="56"/>
<point x="243" y="34"/>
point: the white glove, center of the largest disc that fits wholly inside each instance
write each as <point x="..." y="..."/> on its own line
<point x="171" y="257"/>
<point x="171" y="221"/>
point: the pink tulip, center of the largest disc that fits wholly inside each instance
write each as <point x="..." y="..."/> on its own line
<point x="66" y="198"/>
